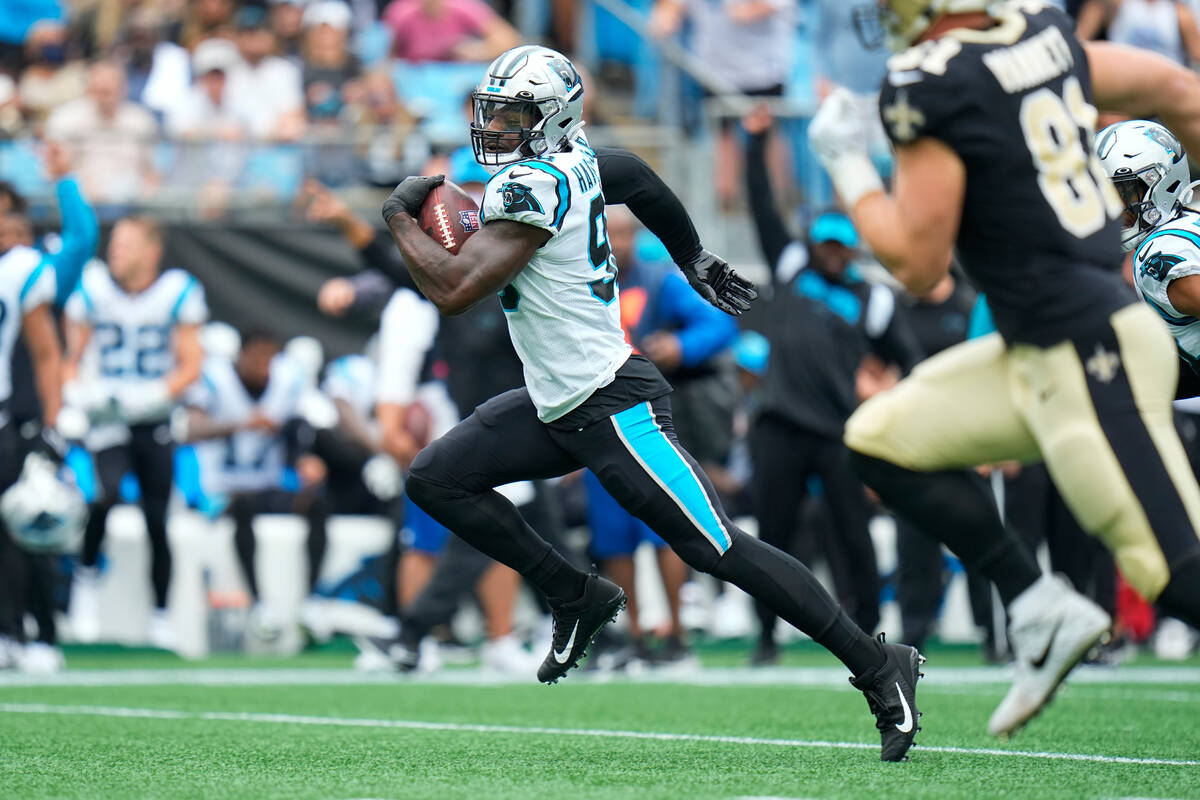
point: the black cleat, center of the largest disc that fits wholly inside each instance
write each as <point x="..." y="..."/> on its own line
<point x="403" y="651"/>
<point x="576" y="623"/>
<point x="891" y="692"/>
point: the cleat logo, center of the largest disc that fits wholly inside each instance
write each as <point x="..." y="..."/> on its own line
<point x="1040" y="661"/>
<point x="907" y="725"/>
<point x="566" y="651"/>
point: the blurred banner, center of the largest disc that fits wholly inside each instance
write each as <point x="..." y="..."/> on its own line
<point x="267" y="276"/>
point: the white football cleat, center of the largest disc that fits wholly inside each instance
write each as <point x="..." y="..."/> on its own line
<point x="10" y="653"/>
<point x="160" y="632"/>
<point x="40" y="658"/>
<point x="1174" y="640"/>
<point x="1053" y="627"/>
<point x="85" y="604"/>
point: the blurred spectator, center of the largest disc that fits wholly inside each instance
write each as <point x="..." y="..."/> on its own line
<point x="329" y="66"/>
<point x="205" y="19"/>
<point x="110" y="139"/>
<point x="264" y="90"/>
<point x="157" y="71"/>
<point x="210" y="134"/>
<point x="11" y="121"/>
<point x="841" y="56"/>
<point x="381" y="128"/>
<point x="286" y="23"/>
<point x="747" y="44"/>
<point x="15" y="23"/>
<point x="49" y="80"/>
<point x="823" y="321"/>
<point x="447" y="30"/>
<point x="1167" y="27"/>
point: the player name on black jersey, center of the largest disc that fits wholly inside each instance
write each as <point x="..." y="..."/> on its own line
<point x="1035" y="61"/>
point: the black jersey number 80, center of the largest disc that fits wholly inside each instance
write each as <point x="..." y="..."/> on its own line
<point x="603" y="289"/>
<point x="1071" y="178"/>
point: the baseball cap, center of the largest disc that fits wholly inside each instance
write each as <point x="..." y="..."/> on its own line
<point x="214" y="54"/>
<point x="333" y="13"/>
<point x="833" y="226"/>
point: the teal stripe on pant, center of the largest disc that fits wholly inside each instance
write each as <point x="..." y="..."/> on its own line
<point x="657" y="454"/>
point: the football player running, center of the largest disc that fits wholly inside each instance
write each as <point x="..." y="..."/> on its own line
<point x="588" y="401"/>
<point x="989" y="107"/>
<point x="133" y="347"/>
<point x="1149" y="169"/>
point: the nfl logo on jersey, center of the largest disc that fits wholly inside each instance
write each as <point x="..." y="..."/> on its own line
<point x="469" y="220"/>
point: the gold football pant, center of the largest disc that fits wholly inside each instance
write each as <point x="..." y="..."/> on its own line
<point x="1097" y="409"/>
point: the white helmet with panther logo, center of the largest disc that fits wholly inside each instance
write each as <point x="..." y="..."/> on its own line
<point x="528" y="104"/>
<point x="1149" y="168"/>
<point x="43" y="512"/>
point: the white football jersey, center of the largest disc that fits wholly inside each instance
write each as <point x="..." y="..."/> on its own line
<point x="1170" y="252"/>
<point x="247" y="461"/>
<point x="562" y="308"/>
<point x="26" y="282"/>
<point x="407" y="329"/>
<point x="131" y="334"/>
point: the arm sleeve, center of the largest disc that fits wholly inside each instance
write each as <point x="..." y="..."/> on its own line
<point x="914" y="102"/>
<point x="773" y="237"/>
<point x="80" y="234"/>
<point x="40" y="287"/>
<point x="371" y="291"/>
<point x="705" y="330"/>
<point x="888" y="328"/>
<point x="629" y="180"/>
<point x="382" y="256"/>
<point x="407" y="333"/>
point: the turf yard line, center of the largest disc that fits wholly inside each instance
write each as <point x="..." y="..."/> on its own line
<point x="458" y="727"/>
<point x="741" y="677"/>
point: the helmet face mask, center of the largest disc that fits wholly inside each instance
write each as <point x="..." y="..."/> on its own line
<point x="505" y="130"/>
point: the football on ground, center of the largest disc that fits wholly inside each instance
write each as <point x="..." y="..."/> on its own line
<point x="449" y="215"/>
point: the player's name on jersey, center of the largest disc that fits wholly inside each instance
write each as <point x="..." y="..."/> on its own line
<point x="1037" y="60"/>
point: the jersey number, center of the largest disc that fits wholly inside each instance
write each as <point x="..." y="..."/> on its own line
<point x="1071" y="178"/>
<point x="603" y="289"/>
<point x="151" y="359"/>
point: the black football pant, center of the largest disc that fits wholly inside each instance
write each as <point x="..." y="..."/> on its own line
<point x="150" y="455"/>
<point x="245" y="506"/>
<point x="784" y="456"/>
<point x="637" y="458"/>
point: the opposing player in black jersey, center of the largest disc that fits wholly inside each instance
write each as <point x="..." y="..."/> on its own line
<point x="990" y="110"/>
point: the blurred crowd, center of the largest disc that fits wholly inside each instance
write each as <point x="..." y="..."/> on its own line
<point x="116" y="104"/>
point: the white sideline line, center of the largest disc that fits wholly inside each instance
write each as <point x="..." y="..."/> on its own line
<point x="343" y="722"/>
<point x="826" y="677"/>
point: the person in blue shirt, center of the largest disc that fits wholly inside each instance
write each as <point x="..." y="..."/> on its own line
<point x="688" y="339"/>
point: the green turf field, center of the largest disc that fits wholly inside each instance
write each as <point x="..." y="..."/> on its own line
<point x="152" y="726"/>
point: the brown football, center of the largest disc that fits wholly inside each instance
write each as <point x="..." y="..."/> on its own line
<point x="449" y="215"/>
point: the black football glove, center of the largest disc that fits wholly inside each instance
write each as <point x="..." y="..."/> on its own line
<point x="409" y="195"/>
<point x="714" y="280"/>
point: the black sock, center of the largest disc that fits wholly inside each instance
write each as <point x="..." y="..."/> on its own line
<point x="786" y="585"/>
<point x="1181" y="598"/>
<point x="490" y="523"/>
<point x="956" y="507"/>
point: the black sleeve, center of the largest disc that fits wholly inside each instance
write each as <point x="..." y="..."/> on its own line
<point x="628" y="179"/>
<point x="372" y="290"/>
<point x="773" y="237"/>
<point x="383" y="256"/>
<point x="898" y="343"/>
